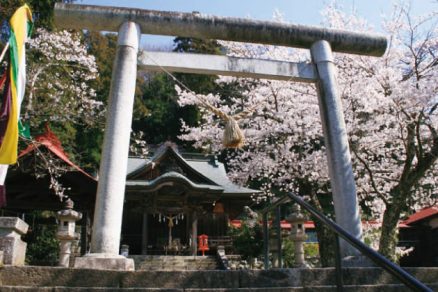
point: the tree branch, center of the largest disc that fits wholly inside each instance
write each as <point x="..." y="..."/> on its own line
<point x="418" y="135"/>
<point x="370" y="173"/>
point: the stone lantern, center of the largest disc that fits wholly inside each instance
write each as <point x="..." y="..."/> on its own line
<point x="298" y="234"/>
<point x="66" y="231"/>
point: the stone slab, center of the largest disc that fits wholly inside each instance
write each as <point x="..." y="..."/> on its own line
<point x="14" y="250"/>
<point x="104" y="263"/>
<point x="270" y="278"/>
<point x="348" y="288"/>
<point x="82" y="289"/>
<point x="308" y="279"/>
<point x="14" y="225"/>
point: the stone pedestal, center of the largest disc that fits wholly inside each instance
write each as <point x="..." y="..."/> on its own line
<point x="14" y="249"/>
<point x="104" y="262"/>
<point x="273" y="248"/>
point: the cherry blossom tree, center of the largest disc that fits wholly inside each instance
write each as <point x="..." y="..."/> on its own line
<point x="60" y="73"/>
<point x="390" y="106"/>
<point x="60" y="92"/>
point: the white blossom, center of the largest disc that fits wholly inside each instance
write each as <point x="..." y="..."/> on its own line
<point x="382" y="98"/>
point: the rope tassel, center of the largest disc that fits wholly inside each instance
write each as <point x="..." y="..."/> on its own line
<point x="233" y="137"/>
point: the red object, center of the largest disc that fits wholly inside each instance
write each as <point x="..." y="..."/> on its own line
<point x="203" y="243"/>
<point x="421" y="215"/>
<point x="51" y="141"/>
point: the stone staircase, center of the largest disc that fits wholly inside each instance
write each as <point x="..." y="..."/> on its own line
<point x="52" y="279"/>
<point x="174" y="263"/>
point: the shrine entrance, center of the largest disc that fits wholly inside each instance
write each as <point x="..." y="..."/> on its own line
<point x="161" y="233"/>
<point x="172" y="198"/>
<point x="131" y="23"/>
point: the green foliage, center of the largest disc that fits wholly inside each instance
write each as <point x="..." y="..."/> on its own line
<point x="311" y="253"/>
<point x="103" y="48"/>
<point x="42" y="10"/>
<point x="158" y="114"/>
<point x="42" y="245"/>
<point x="88" y="140"/>
<point x="247" y="241"/>
<point x="194" y="45"/>
<point x="88" y="144"/>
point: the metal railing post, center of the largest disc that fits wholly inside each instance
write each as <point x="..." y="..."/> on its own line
<point x="338" y="265"/>
<point x="265" y="241"/>
<point x="278" y="227"/>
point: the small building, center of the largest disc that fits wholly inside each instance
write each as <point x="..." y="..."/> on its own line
<point x="28" y="183"/>
<point x="172" y="198"/>
<point x="421" y="233"/>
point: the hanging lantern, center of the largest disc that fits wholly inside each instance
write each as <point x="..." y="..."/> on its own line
<point x="218" y="208"/>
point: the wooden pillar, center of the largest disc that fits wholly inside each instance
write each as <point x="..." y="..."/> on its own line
<point x="144" y="234"/>
<point x="188" y="234"/>
<point x="194" y="233"/>
<point x="84" y="233"/>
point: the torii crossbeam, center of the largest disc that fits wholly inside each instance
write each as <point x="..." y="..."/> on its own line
<point x="130" y="23"/>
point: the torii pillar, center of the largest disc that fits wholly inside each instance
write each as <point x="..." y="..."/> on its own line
<point x="128" y="22"/>
<point x="107" y="224"/>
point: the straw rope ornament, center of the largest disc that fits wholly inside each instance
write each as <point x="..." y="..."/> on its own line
<point x="233" y="136"/>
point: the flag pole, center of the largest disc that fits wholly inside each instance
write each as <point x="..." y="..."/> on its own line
<point x="4" y="52"/>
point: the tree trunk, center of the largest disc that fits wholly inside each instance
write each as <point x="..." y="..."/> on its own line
<point x="326" y="240"/>
<point x="389" y="235"/>
<point x="391" y="216"/>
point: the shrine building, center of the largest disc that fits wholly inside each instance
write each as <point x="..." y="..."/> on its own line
<point x="170" y="199"/>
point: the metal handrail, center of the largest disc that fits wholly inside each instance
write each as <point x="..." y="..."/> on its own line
<point x="377" y="258"/>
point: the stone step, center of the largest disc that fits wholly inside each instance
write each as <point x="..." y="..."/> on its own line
<point x="210" y="280"/>
<point x="174" y="263"/>
<point x="347" y="288"/>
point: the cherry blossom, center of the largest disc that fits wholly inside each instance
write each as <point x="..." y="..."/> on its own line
<point x="60" y="71"/>
<point x="390" y="106"/>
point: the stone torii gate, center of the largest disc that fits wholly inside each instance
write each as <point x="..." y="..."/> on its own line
<point x="130" y="23"/>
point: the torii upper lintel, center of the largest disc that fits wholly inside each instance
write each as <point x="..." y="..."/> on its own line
<point x="104" y="18"/>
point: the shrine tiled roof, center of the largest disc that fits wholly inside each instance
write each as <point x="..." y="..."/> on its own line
<point x="212" y="171"/>
<point x="216" y="172"/>
<point x="172" y="176"/>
